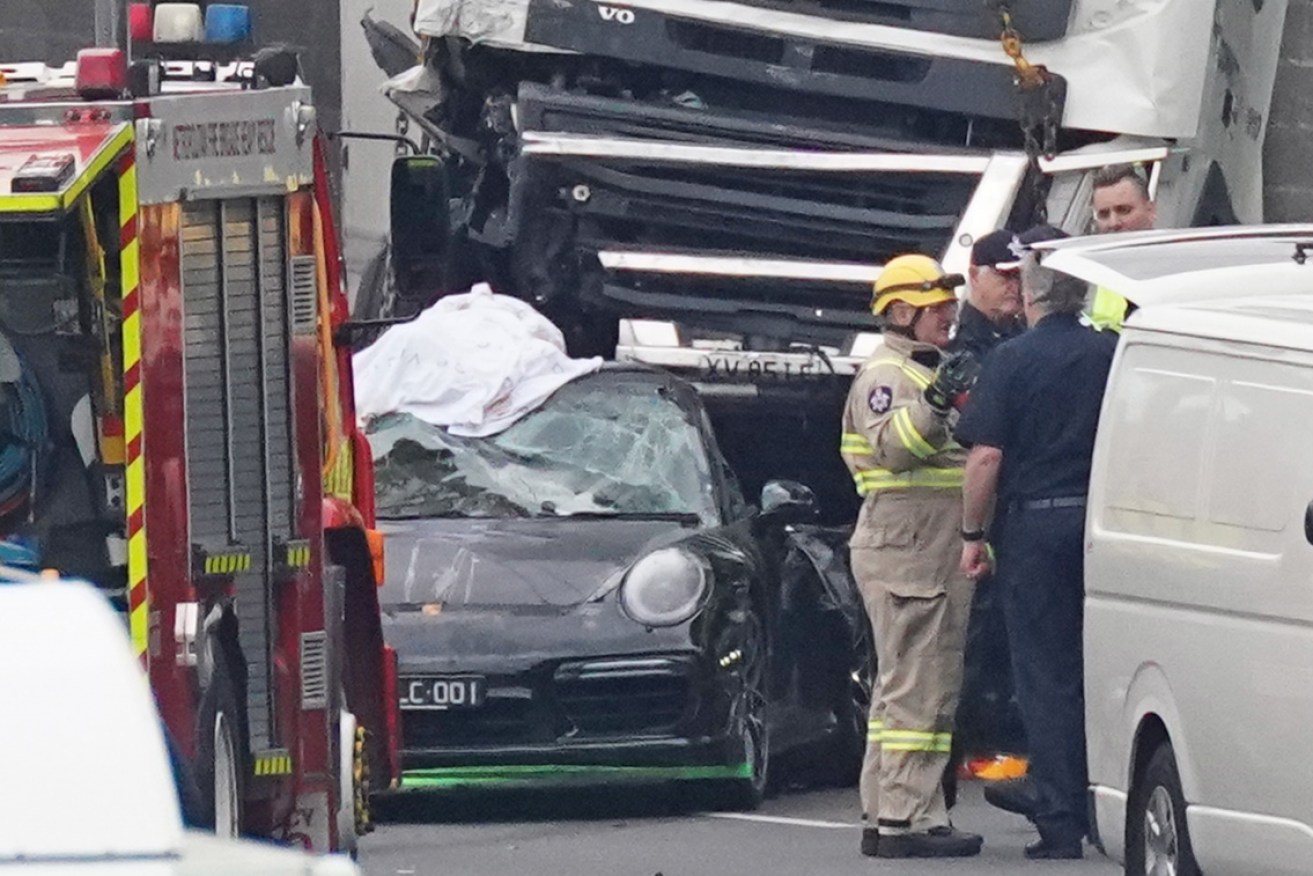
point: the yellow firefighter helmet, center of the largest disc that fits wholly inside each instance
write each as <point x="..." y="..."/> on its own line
<point x="915" y="279"/>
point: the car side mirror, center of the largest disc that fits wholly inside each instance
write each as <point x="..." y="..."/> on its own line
<point x="1308" y="523"/>
<point x="788" y="501"/>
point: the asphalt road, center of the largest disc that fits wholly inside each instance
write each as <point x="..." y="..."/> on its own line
<point x="660" y="832"/>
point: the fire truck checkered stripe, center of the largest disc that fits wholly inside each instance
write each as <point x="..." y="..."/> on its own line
<point x="227" y="564"/>
<point x="298" y="556"/>
<point x="273" y="763"/>
<point x="138" y="603"/>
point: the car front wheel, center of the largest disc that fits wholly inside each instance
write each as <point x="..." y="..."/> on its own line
<point x="748" y="717"/>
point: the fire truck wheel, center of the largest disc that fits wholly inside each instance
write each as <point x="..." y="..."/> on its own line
<point x="220" y="754"/>
<point x="347" y="835"/>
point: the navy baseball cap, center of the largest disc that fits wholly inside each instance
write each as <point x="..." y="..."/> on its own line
<point x="994" y="250"/>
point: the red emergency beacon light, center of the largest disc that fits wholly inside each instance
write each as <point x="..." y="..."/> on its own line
<point x="101" y="74"/>
<point x="141" y="26"/>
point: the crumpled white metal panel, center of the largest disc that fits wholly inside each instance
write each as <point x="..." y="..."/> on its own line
<point x="500" y="22"/>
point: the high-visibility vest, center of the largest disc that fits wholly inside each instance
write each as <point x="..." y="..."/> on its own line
<point x="1108" y="310"/>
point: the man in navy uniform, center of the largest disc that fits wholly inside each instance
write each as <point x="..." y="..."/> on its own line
<point x="988" y="718"/>
<point x="1030" y="424"/>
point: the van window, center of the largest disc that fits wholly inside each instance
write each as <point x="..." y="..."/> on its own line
<point x="1262" y="433"/>
<point x="1161" y="421"/>
<point x="1207" y="448"/>
<point x="1150" y="262"/>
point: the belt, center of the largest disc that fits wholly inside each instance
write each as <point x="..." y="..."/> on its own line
<point x="1042" y="504"/>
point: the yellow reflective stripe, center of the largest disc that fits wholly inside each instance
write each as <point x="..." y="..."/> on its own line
<point x="874" y="731"/>
<point x="58" y="202"/>
<point x="273" y="764"/>
<point x="855" y="444"/>
<point x="298" y="556"/>
<point x="874" y="479"/>
<point x="913" y="440"/>
<point x="339" y="476"/>
<point x="916" y="740"/>
<point x="133" y="405"/>
<point x="227" y="564"/>
<point x="921" y="381"/>
<point x="915" y="376"/>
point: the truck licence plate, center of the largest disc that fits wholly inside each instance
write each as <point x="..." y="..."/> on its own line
<point x="442" y="691"/>
<point x="757" y="368"/>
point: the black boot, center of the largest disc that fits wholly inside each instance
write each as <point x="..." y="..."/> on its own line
<point x="1013" y="795"/>
<point x="1054" y="850"/>
<point x="870" y="842"/>
<point x="937" y="842"/>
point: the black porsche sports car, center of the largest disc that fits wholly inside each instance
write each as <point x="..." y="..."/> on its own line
<point x="587" y="597"/>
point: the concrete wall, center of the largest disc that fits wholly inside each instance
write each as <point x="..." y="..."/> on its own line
<point x="46" y="30"/>
<point x="1288" y="151"/>
<point x="366" y="165"/>
<point x="311" y="26"/>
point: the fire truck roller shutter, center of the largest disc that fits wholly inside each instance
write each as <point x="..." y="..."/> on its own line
<point x="239" y="442"/>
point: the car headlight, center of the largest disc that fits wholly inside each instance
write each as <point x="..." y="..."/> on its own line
<point x="664" y="588"/>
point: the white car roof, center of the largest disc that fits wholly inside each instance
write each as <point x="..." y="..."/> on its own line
<point x="81" y="748"/>
<point x="1284" y="321"/>
<point x="87" y="782"/>
<point x="1166" y="267"/>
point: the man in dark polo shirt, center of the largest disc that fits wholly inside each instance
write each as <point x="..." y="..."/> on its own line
<point x="987" y="717"/>
<point x="991" y="313"/>
<point x="1030" y="424"/>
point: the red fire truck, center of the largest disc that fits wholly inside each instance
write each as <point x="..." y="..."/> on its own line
<point x="176" y="421"/>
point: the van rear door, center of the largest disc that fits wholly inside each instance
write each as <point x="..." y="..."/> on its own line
<point x="1199" y="594"/>
<point x="1177" y="267"/>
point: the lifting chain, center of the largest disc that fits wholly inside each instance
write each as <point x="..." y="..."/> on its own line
<point x="1038" y="111"/>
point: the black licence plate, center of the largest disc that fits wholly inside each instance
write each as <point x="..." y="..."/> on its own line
<point x="442" y="691"/>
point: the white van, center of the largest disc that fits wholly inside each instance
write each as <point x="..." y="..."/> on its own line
<point x="1199" y="581"/>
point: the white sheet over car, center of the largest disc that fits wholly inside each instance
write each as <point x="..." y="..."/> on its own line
<point x="473" y="363"/>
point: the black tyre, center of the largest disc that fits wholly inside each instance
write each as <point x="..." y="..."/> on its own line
<point x="748" y="719"/>
<point x="221" y="754"/>
<point x="1157" y="835"/>
<point x="841" y="760"/>
<point x="195" y="811"/>
<point x="353" y="818"/>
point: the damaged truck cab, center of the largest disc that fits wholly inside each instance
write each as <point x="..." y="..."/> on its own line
<point x="712" y="186"/>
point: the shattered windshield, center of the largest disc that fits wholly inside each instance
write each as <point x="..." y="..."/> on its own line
<point x="599" y="446"/>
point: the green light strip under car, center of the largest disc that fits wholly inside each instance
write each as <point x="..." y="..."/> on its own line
<point x="459" y="777"/>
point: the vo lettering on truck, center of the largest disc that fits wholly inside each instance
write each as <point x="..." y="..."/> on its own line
<point x="617" y="14"/>
<point x="237" y="139"/>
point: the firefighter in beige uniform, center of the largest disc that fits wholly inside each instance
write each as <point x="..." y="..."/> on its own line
<point x="905" y="552"/>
